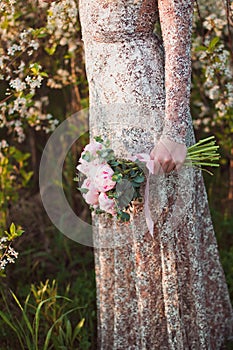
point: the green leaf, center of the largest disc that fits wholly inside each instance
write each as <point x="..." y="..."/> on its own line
<point x="87" y="156"/>
<point x="20" y="232"/>
<point x="124" y="200"/>
<point x="29" y="96"/>
<point x="26" y="176"/>
<point x="81" y="323"/>
<point x="26" y="319"/>
<point x="12" y="228"/>
<point x="82" y="189"/>
<point x="42" y="35"/>
<point x="123" y="216"/>
<point x="213" y="43"/>
<point x="136" y="184"/>
<point x="51" y="50"/>
<point x="49" y="333"/>
<point x="11" y="325"/>
<point x="78" y="329"/>
<point x="68" y="330"/>
<point x="113" y="163"/>
<point x="99" y="139"/>
<point x="133" y="173"/>
<point x="201" y="48"/>
<point x="7" y="321"/>
<point x="107" y="143"/>
<point x="44" y="74"/>
<point x="139" y="179"/>
<point x="107" y="154"/>
<point x="117" y="177"/>
<point x="39" y="32"/>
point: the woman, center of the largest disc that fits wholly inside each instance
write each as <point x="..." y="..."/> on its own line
<point x="167" y="291"/>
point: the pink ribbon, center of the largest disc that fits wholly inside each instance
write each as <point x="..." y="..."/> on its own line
<point x="144" y="157"/>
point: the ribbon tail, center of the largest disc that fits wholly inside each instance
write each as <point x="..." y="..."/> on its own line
<point x="149" y="221"/>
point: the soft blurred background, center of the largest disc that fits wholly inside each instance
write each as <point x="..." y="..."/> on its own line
<point x="47" y="298"/>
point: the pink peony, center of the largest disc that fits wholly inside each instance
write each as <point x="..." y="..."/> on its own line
<point x="93" y="147"/>
<point x="92" y="196"/>
<point x="107" y="204"/>
<point x="86" y="183"/>
<point x="84" y="167"/>
<point x="103" y="178"/>
<point x="88" y="168"/>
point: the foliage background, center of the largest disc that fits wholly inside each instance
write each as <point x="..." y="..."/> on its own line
<point x="48" y="294"/>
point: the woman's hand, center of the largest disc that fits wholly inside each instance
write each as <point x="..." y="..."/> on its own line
<point x="168" y="155"/>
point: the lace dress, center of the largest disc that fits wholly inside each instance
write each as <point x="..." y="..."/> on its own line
<point x="167" y="291"/>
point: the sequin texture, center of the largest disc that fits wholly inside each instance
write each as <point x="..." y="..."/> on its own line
<point x="167" y="292"/>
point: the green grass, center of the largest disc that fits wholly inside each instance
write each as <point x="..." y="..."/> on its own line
<point x="49" y="292"/>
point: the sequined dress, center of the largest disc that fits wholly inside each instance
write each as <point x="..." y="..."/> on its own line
<point x="166" y="292"/>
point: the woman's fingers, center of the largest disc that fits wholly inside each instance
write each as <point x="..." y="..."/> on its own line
<point x="171" y="166"/>
<point x="161" y="167"/>
<point x="157" y="167"/>
<point x="167" y="165"/>
<point x="179" y="166"/>
<point x="168" y="156"/>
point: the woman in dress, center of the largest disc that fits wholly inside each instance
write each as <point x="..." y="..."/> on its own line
<point x="166" y="291"/>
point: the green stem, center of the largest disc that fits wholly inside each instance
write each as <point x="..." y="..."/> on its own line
<point x="202" y="163"/>
<point x="203" y="169"/>
<point x="204" y="157"/>
<point x="204" y="149"/>
<point x="201" y="141"/>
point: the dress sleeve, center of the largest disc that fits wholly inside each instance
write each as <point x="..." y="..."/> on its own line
<point x="176" y="26"/>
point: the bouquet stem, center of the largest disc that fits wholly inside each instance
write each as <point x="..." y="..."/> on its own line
<point x="203" y="153"/>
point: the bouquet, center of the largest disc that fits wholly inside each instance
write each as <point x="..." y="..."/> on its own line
<point x="112" y="185"/>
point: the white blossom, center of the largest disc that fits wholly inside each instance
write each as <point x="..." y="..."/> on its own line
<point x="12" y="252"/>
<point x="14" y="48"/>
<point x="3" y="264"/>
<point x="17" y="84"/>
<point x="214" y="92"/>
<point x="19" y="104"/>
<point x="10" y="260"/>
<point x="34" y="82"/>
<point x="34" y="44"/>
<point x="20" y="68"/>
